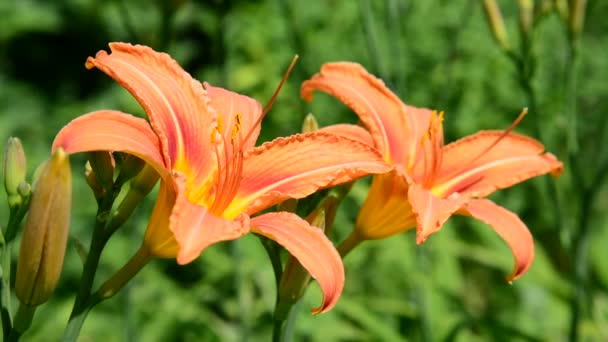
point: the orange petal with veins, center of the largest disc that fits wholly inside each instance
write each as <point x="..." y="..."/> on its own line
<point x="109" y="130"/>
<point x="350" y="131"/>
<point x="228" y="105"/>
<point x="431" y="211"/>
<point x="297" y="166"/>
<point x="512" y="160"/>
<point x="311" y="247"/>
<point x="176" y="104"/>
<point x="509" y="227"/>
<point x="380" y="110"/>
<point x="196" y="228"/>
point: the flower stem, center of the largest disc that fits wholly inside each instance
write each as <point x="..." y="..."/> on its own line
<point x="23" y="321"/>
<point x="5" y="290"/>
<point x="81" y="305"/>
<point x="122" y="277"/>
<point x="283" y="328"/>
<point x="349" y="244"/>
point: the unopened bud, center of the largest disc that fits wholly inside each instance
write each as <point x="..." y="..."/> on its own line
<point x="102" y="165"/>
<point x="24" y="189"/>
<point x="577" y="18"/>
<point x="139" y="187"/>
<point x="496" y="23"/>
<point x="310" y="124"/>
<point x="93" y="182"/>
<point x="130" y="166"/>
<point x="562" y="9"/>
<point x="14" y="168"/>
<point x="526" y="16"/>
<point x="45" y="232"/>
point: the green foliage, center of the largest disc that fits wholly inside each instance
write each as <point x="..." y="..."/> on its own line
<point x="437" y="54"/>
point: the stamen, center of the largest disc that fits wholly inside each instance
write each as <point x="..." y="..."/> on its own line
<point x="502" y="136"/>
<point x="272" y="99"/>
<point x="432" y="154"/>
<point x="216" y="135"/>
<point x="237" y="126"/>
<point x="229" y="174"/>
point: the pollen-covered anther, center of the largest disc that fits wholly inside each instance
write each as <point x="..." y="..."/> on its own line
<point x="432" y="157"/>
<point x="237" y="126"/>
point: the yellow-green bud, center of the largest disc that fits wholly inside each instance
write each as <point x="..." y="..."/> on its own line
<point x="102" y="165"/>
<point x="93" y="182"/>
<point x="577" y="18"/>
<point x="130" y="166"/>
<point x="496" y="23"/>
<point x="139" y="187"/>
<point x="310" y="124"/>
<point x="15" y="167"/>
<point x="526" y="16"/>
<point x="45" y="232"/>
<point x="562" y="9"/>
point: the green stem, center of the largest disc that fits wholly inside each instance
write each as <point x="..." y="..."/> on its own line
<point x="122" y="277"/>
<point x="526" y="73"/>
<point x="14" y="220"/>
<point x="272" y="249"/>
<point x="296" y="41"/>
<point x="5" y="290"/>
<point x="23" y="321"/>
<point x="581" y="267"/>
<point x="98" y="241"/>
<point x="588" y="191"/>
<point x="373" y="47"/>
<point x="283" y="329"/>
<point x="349" y="244"/>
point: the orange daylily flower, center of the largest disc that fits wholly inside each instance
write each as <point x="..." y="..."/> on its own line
<point x="431" y="181"/>
<point x="201" y="140"/>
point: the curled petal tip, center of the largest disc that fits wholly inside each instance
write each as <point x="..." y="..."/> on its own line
<point x="90" y="63"/>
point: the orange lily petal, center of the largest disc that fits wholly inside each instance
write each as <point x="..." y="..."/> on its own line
<point x="350" y="131"/>
<point x="378" y="108"/>
<point x="176" y="104"/>
<point x="386" y="211"/>
<point x="297" y="166"/>
<point x="514" y="159"/>
<point x="509" y="227"/>
<point x="228" y="105"/>
<point x="158" y="239"/>
<point x="195" y="228"/>
<point x="311" y="247"/>
<point x="431" y="211"/>
<point x="109" y="130"/>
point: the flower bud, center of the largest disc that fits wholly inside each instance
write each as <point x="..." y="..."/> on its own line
<point x="561" y="6"/>
<point x="310" y="124"/>
<point x="130" y="167"/>
<point x="15" y="167"/>
<point x="139" y="187"/>
<point x="102" y="165"/>
<point x="93" y="182"/>
<point x="45" y="232"/>
<point x="496" y="23"/>
<point x="526" y="16"/>
<point x="577" y="18"/>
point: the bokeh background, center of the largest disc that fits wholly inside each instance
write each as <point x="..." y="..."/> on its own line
<point x="434" y="53"/>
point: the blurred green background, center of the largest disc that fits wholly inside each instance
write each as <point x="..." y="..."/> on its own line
<point x="434" y="53"/>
